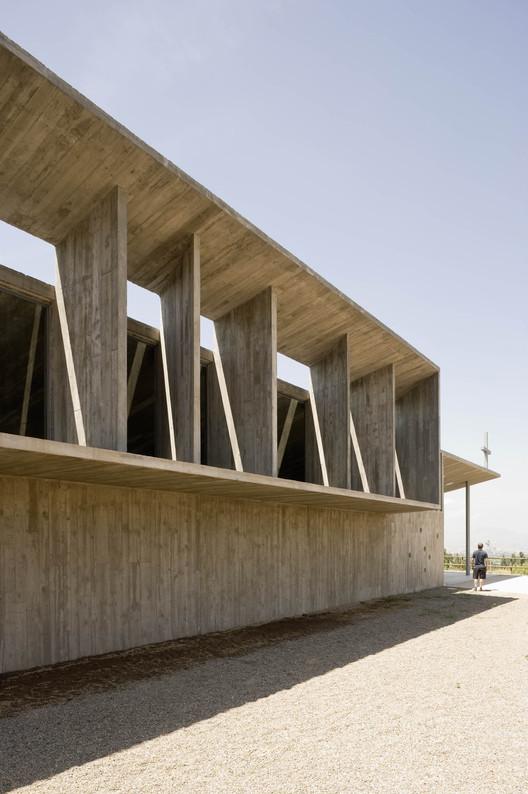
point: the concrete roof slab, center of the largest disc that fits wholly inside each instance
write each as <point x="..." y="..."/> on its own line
<point x="60" y="154"/>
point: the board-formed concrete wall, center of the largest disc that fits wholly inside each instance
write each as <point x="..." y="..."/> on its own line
<point x="88" y="569"/>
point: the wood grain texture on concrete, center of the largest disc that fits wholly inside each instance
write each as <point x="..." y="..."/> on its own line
<point x="331" y="410"/>
<point x="418" y="441"/>
<point x="92" y="276"/>
<point x="40" y="458"/>
<point x="60" y="155"/>
<point x="372" y="408"/>
<point x="219" y="450"/>
<point x="26" y="286"/>
<point x="457" y="472"/>
<point x="180" y="316"/>
<point x="247" y="346"/>
<point x="88" y="569"/>
<point x="103" y="549"/>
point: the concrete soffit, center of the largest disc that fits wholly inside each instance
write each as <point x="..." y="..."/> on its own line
<point x="84" y="153"/>
<point x="458" y="472"/>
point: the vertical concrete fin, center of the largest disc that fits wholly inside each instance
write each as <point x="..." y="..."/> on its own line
<point x="418" y="440"/>
<point x="246" y="346"/>
<point x="372" y="405"/>
<point x="330" y="399"/>
<point x="91" y="303"/>
<point x="180" y="312"/>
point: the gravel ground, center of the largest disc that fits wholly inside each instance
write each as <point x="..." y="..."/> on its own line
<point x="418" y="693"/>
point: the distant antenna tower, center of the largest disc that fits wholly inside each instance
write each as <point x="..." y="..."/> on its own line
<point x="486" y="450"/>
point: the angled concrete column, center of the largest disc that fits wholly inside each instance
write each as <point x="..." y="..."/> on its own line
<point x="372" y="409"/>
<point x="330" y="409"/>
<point x="313" y="465"/>
<point x="180" y="348"/>
<point x="88" y="368"/>
<point x="219" y="451"/>
<point x="418" y="440"/>
<point x="246" y="360"/>
<point x="60" y="416"/>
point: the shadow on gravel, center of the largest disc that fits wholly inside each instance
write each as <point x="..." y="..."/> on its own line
<point x="105" y="704"/>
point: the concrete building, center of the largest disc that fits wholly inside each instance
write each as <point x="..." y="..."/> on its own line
<point x="151" y="489"/>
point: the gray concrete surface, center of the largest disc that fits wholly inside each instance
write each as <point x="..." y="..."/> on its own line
<point x="501" y="583"/>
<point x="381" y="702"/>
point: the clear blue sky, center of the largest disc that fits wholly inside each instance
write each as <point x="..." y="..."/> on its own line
<point x="383" y="142"/>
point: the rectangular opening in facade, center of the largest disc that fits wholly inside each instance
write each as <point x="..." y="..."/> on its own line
<point x="143" y="305"/>
<point x="203" y="414"/>
<point x="293" y="371"/>
<point x="23" y="353"/>
<point x="141" y="397"/>
<point x="291" y="438"/>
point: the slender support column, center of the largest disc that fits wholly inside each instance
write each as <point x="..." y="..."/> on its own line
<point x="246" y="359"/>
<point x="468" y="528"/>
<point x="372" y="407"/>
<point x="418" y="441"/>
<point x="330" y="404"/>
<point x="180" y="341"/>
<point x="88" y="372"/>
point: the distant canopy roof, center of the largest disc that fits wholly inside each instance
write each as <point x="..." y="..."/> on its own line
<point x="458" y="472"/>
<point x="61" y="154"/>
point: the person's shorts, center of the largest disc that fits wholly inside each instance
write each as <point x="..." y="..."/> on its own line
<point x="479" y="572"/>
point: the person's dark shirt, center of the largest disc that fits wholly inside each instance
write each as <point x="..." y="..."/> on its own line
<point x="479" y="556"/>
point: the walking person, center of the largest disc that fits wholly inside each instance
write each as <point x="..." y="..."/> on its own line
<point x="479" y="563"/>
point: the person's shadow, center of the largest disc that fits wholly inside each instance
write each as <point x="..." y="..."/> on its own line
<point x="68" y="715"/>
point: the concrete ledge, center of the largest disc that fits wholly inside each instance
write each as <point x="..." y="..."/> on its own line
<point x="53" y="460"/>
<point x="458" y="471"/>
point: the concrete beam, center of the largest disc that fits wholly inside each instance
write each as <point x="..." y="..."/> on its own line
<point x="372" y="407"/>
<point x="89" y="330"/>
<point x="247" y="352"/>
<point x="418" y="441"/>
<point x="330" y="411"/>
<point x="180" y="340"/>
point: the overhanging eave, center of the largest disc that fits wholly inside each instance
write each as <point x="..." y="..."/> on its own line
<point x="53" y="460"/>
<point x="60" y="155"/>
<point x="458" y="472"/>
